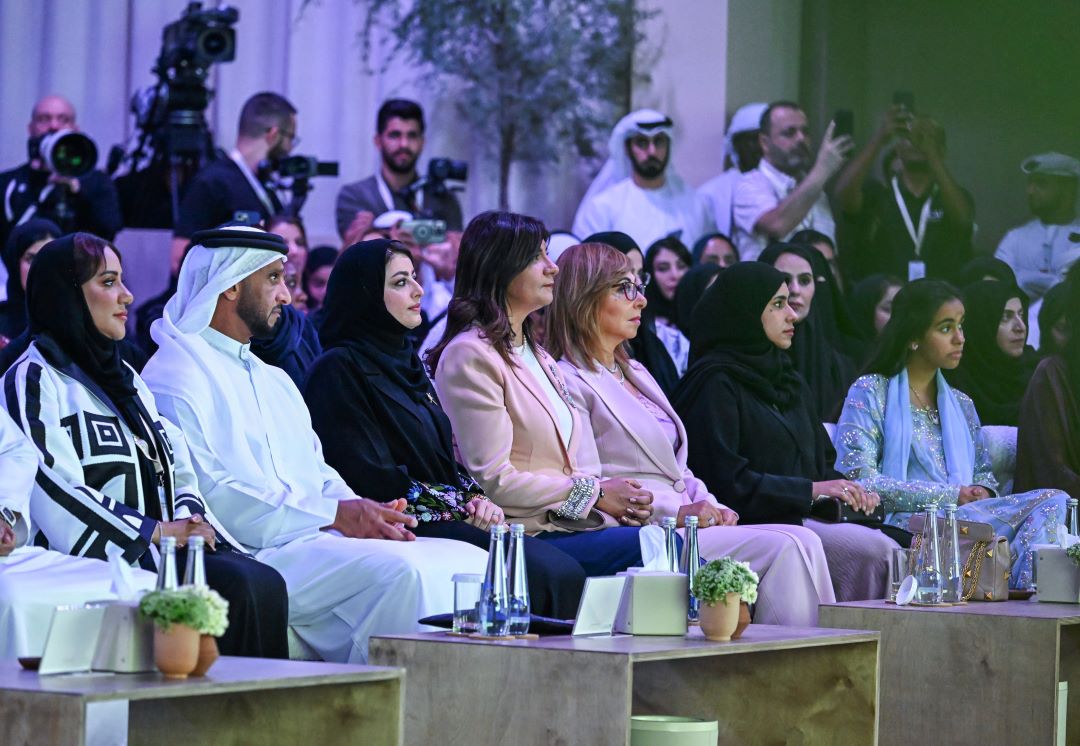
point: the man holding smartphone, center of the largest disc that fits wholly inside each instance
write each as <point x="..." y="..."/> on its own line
<point x="786" y="192"/>
<point x="919" y="222"/>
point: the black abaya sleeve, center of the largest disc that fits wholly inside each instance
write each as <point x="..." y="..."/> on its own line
<point x="354" y="443"/>
<point x="725" y="439"/>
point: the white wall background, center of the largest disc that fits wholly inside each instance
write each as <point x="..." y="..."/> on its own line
<point x="97" y="52"/>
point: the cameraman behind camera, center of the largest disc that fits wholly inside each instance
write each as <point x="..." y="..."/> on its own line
<point x="85" y="202"/>
<point x="231" y="184"/>
<point x="396" y="185"/>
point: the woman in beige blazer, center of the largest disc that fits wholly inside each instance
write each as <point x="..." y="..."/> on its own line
<point x="518" y="431"/>
<point x="597" y="308"/>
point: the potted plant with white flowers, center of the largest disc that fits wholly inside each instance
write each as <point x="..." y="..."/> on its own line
<point x="720" y="587"/>
<point x="186" y="622"/>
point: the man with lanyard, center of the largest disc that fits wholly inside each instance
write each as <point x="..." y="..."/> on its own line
<point x="399" y="139"/>
<point x="87" y="203"/>
<point x="918" y="224"/>
<point x="636" y="192"/>
<point x="1042" y="250"/>
<point x="227" y="185"/>
<point x="786" y="192"/>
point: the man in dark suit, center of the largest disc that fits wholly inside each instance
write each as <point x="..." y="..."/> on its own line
<point x="399" y="139"/>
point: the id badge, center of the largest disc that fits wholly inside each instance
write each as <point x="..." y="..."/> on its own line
<point x="916" y="270"/>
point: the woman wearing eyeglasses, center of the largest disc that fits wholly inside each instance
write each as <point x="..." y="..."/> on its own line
<point x="520" y="433"/>
<point x="597" y="309"/>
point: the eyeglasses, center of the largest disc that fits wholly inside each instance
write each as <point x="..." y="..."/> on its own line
<point x="631" y="290"/>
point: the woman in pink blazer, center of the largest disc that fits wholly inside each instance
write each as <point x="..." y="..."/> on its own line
<point x="518" y="431"/>
<point x="596" y="310"/>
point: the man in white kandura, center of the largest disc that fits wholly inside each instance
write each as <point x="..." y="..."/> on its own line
<point x="636" y="192"/>
<point x="33" y="580"/>
<point x="351" y="565"/>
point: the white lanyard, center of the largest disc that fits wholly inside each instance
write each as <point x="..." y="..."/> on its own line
<point x="388" y="197"/>
<point x="917" y="235"/>
<point x="9" y="213"/>
<point x="260" y="190"/>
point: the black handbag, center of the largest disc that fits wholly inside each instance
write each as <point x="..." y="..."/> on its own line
<point x="834" y="510"/>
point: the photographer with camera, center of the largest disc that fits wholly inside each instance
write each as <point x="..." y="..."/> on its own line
<point x="235" y="183"/>
<point x="397" y="185"/>
<point x="59" y="181"/>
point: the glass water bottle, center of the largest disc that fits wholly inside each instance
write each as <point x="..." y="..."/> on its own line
<point x="952" y="571"/>
<point x="928" y="565"/>
<point x="1072" y="520"/>
<point x="195" y="567"/>
<point x="691" y="562"/>
<point x="518" y="581"/>
<point x="670" y="546"/>
<point x="166" y="578"/>
<point x="494" y="617"/>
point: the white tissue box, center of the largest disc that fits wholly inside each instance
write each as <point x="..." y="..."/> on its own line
<point x="1057" y="576"/>
<point x="653" y="603"/>
<point x="126" y="641"/>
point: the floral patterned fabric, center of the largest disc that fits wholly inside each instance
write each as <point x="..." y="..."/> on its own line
<point x="442" y="502"/>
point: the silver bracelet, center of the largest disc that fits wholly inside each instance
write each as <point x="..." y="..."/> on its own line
<point x="579" y="496"/>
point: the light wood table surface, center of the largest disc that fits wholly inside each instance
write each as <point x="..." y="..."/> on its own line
<point x="775" y="685"/>
<point x="239" y="701"/>
<point x="978" y="673"/>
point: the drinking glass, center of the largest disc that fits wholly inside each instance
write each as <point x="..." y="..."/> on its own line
<point x="467" y="602"/>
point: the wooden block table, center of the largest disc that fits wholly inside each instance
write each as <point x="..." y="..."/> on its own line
<point x="958" y="674"/>
<point x="240" y="701"/>
<point x="775" y="685"/>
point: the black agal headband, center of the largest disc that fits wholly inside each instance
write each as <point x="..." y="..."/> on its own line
<point x="227" y="238"/>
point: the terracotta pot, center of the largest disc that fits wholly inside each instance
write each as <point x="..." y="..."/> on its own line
<point x="744" y="620"/>
<point x="208" y="653"/>
<point x="719" y="621"/>
<point x="177" y="651"/>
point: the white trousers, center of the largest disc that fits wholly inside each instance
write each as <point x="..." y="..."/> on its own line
<point x="34" y="581"/>
<point x="342" y="591"/>
<point x="789" y="561"/>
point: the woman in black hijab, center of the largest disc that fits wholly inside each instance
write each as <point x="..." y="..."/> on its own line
<point x="986" y="268"/>
<point x="997" y="363"/>
<point x="816" y="350"/>
<point x="23" y="239"/>
<point x="753" y="433"/>
<point x="689" y="291"/>
<point x="118" y="472"/>
<point x="1053" y="321"/>
<point x="870" y="305"/>
<point x="382" y="428"/>
<point x="646" y="347"/>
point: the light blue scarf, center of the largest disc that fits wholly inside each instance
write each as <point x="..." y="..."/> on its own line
<point x="955" y="436"/>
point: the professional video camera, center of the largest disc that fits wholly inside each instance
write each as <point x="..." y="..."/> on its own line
<point x="293" y="173"/>
<point x="65" y="152"/>
<point x="305" y="167"/>
<point x="439" y="171"/>
<point x="172" y="140"/>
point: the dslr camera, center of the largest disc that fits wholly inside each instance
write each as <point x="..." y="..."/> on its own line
<point x="441" y="170"/>
<point x="65" y="152"/>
